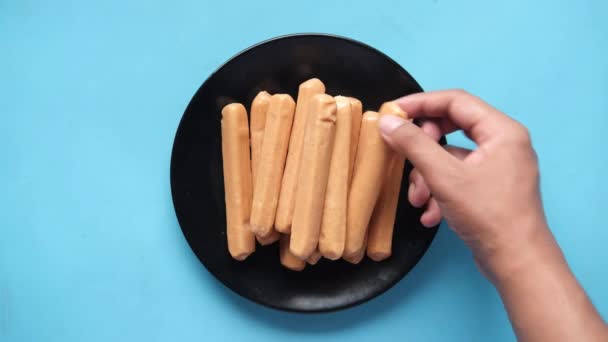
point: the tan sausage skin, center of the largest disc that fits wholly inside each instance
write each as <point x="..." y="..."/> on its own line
<point x="368" y="176"/>
<point x="279" y="118"/>
<point x="356" y="111"/>
<point x="289" y="260"/>
<point x="314" y="258"/>
<point x="287" y="197"/>
<point x="333" y="224"/>
<point x="237" y="180"/>
<point x="312" y="178"/>
<point x="380" y="236"/>
<point x="355" y="259"/>
<point x="259" y="107"/>
<point x="269" y="239"/>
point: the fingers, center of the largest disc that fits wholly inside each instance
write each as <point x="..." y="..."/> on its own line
<point x="435" y="128"/>
<point x="418" y="193"/>
<point x="458" y="152"/>
<point x="432" y="215"/>
<point x="465" y="111"/>
<point x="423" y="151"/>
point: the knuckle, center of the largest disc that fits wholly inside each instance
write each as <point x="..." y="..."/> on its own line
<point x="533" y="157"/>
<point x="535" y="171"/>
<point x="460" y="92"/>
<point x="522" y="135"/>
<point x="517" y="134"/>
<point x="465" y="97"/>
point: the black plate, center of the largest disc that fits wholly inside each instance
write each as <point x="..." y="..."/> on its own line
<point x="279" y="65"/>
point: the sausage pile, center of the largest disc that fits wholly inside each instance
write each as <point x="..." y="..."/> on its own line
<point x="314" y="175"/>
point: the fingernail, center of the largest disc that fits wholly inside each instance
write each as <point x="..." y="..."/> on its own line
<point x="389" y="123"/>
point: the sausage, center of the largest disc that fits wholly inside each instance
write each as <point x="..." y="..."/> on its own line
<point x="259" y="106"/>
<point x="312" y="178"/>
<point x="287" y="197"/>
<point x="279" y="118"/>
<point x="333" y="224"/>
<point x="356" y="111"/>
<point x="314" y="258"/>
<point x="368" y="174"/>
<point x="268" y="239"/>
<point x="289" y="260"/>
<point x="356" y="258"/>
<point x="380" y="236"/>
<point x="237" y="180"/>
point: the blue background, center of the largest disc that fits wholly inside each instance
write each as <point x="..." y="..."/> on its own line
<point x="91" y="93"/>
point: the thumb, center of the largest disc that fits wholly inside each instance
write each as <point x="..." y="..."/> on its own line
<point x="409" y="140"/>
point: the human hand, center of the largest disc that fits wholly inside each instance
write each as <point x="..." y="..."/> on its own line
<point x="490" y="196"/>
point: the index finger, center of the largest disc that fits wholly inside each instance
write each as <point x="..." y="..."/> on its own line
<point x="467" y="112"/>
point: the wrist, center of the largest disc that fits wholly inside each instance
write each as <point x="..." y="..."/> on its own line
<point x="543" y="298"/>
<point x="516" y="255"/>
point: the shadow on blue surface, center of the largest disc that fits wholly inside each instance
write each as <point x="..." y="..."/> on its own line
<point x="446" y="243"/>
